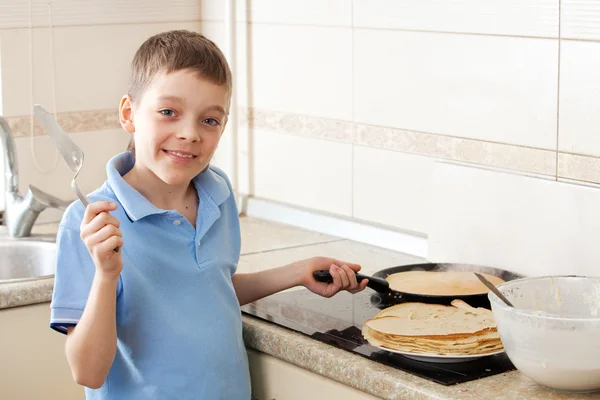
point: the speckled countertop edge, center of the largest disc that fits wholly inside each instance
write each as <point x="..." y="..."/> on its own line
<point x="382" y="381"/>
<point x="339" y="365"/>
<point x="24" y="293"/>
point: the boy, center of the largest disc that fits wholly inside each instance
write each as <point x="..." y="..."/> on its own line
<point x="160" y="318"/>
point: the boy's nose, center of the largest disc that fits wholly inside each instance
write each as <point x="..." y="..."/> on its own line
<point x="190" y="134"/>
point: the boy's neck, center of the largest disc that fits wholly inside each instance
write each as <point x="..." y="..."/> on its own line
<point x="159" y="193"/>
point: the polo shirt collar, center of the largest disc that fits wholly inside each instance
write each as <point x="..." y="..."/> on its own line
<point x="136" y="206"/>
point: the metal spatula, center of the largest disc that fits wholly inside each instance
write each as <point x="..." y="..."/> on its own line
<point x="491" y="286"/>
<point x="69" y="151"/>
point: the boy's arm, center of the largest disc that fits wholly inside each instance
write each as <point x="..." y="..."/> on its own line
<point x="92" y="344"/>
<point x="254" y="286"/>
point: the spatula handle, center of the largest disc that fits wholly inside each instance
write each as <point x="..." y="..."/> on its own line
<point x="377" y="284"/>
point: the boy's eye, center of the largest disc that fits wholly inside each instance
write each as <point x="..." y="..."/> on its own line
<point x="167" y="112"/>
<point x="211" y="122"/>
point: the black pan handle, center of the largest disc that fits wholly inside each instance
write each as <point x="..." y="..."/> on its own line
<point x="377" y="284"/>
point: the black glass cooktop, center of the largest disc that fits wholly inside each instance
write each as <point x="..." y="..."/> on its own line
<point x="338" y="321"/>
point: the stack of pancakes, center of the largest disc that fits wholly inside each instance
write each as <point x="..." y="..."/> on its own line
<point x="420" y="328"/>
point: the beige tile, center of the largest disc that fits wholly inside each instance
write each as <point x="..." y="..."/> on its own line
<point x="528" y="225"/>
<point x="458" y="149"/>
<point x="370" y="258"/>
<point x="53" y="176"/>
<point x="499" y="17"/>
<point x="579" y="97"/>
<point x="260" y="236"/>
<point x="464" y="85"/>
<point x="102" y="79"/>
<point x="580" y="19"/>
<point x="15" y="13"/>
<point x="91" y="65"/>
<point x="577" y="167"/>
<point x="311" y="173"/>
<point x="22" y="87"/>
<point x="301" y="69"/>
<point x="392" y="188"/>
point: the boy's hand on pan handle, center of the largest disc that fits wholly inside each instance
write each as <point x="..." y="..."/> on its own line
<point x="101" y="234"/>
<point x="343" y="274"/>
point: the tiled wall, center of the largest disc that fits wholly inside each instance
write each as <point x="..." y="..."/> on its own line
<point x="345" y="105"/>
<point x="350" y="102"/>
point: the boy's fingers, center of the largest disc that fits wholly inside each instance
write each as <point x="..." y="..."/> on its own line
<point x="104" y="234"/>
<point x="96" y="208"/>
<point x="354" y="267"/>
<point x="363" y="284"/>
<point x="337" y="279"/>
<point x="99" y="222"/>
<point x="343" y="276"/>
<point x="353" y="284"/>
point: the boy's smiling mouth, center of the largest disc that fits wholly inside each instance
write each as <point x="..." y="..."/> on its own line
<point x="179" y="154"/>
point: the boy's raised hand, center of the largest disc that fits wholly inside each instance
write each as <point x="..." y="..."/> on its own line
<point x="101" y="235"/>
<point x="343" y="274"/>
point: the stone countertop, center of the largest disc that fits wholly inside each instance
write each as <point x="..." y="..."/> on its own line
<point x="266" y="245"/>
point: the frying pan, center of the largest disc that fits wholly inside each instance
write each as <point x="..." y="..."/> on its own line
<point x="384" y="298"/>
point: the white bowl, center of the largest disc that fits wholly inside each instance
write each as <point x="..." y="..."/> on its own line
<point x="553" y="334"/>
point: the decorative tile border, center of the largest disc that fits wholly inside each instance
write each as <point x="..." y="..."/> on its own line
<point x="538" y="161"/>
<point x="78" y="121"/>
<point x="439" y="146"/>
<point x="579" y="168"/>
<point x="459" y="149"/>
<point x="303" y="125"/>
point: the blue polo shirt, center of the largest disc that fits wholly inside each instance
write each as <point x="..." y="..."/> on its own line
<point x="179" y="327"/>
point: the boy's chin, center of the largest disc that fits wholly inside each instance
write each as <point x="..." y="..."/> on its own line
<point x="176" y="179"/>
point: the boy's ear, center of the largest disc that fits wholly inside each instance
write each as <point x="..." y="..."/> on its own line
<point x="126" y="114"/>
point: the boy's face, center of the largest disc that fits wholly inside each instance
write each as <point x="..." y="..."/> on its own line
<point x="178" y="122"/>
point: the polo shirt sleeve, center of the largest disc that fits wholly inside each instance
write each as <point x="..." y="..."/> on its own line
<point x="74" y="274"/>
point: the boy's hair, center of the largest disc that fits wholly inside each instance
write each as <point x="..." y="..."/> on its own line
<point x="173" y="51"/>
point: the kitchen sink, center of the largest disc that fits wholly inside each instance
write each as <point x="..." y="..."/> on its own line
<point x="26" y="260"/>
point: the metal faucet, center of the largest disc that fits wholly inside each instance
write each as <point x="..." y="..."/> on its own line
<point x="21" y="211"/>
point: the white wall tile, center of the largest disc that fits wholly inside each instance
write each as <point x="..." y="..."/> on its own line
<point x="303" y="70"/>
<point x="16" y="13"/>
<point x="498" y="17"/>
<point x="527" y="225"/>
<point x="305" y="172"/>
<point x="579" y="120"/>
<point x="223" y="158"/>
<point x="392" y="188"/>
<point x="500" y="89"/>
<point x="580" y="19"/>
<point x="307" y="12"/>
<point x="91" y="65"/>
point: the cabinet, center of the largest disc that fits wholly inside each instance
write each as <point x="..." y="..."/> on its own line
<point x="33" y="365"/>
<point x="274" y="379"/>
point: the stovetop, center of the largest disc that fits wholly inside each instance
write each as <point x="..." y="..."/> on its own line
<point x="338" y="322"/>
